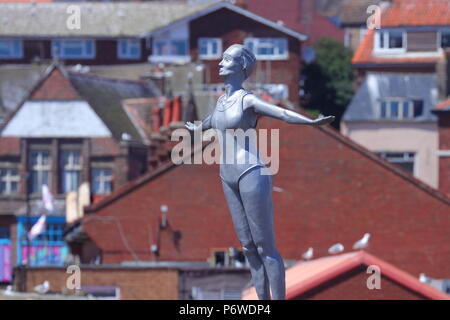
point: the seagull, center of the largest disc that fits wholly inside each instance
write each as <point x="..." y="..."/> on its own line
<point x="43" y="287"/>
<point x="308" y="254"/>
<point x="278" y="189"/>
<point x="336" y="248"/>
<point x="423" y="278"/>
<point x="363" y="242"/>
<point x="9" y="291"/>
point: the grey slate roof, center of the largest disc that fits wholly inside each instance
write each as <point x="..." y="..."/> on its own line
<point x="97" y="18"/>
<point x="105" y="97"/>
<point x="366" y="102"/>
<point x="113" y="19"/>
<point x="16" y="81"/>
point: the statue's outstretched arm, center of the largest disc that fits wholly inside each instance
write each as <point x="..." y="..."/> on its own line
<point x="206" y="124"/>
<point x="267" y="109"/>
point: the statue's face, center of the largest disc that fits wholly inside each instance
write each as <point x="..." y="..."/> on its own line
<point x="230" y="62"/>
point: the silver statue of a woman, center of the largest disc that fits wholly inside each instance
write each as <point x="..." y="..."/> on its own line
<point x="247" y="189"/>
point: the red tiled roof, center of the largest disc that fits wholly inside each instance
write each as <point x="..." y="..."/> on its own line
<point x="305" y="276"/>
<point x="443" y="106"/>
<point x="417" y="13"/>
<point x="364" y="54"/>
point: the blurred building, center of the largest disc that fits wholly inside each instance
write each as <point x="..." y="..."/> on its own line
<point x="413" y="37"/>
<point x="303" y="16"/>
<point x="142" y="281"/>
<point x="177" y="33"/>
<point x="391" y="115"/>
<point x="70" y="128"/>
<point x="353" y="276"/>
<point x="403" y="72"/>
<point x="442" y="111"/>
<point x="351" y="16"/>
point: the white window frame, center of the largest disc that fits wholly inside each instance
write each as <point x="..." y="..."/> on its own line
<point x="71" y="166"/>
<point x="400" y="101"/>
<point x="276" y="56"/>
<point x="66" y="43"/>
<point x="210" y="55"/>
<point x="406" y="158"/>
<point x="129" y="44"/>
<point x="40" y="168"/>
<point x="167" y="41"/>
<point x="386" y="48"/>
<point x="9" y="179"/>
<point x="102" y="179"/>
<point x="10" y="44"/>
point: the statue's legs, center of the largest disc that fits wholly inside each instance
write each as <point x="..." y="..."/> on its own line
<point x="257" y="269"/>
<point x="256" y="194"/>
<point x="251" y="207"/>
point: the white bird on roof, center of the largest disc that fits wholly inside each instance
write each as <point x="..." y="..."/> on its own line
<point x="43" y="287"/>
<point x="308" y="254"/>
<point x="423" y="278"/>
<point x="336" y="248"/>
<point x="9" y="291"/>
<point x="362" y="243"/>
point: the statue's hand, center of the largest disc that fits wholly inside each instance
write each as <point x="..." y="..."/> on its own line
<point x="324" y="120"/>
<point x="191" y="127"/>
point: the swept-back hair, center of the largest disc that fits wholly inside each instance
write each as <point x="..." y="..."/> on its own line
<point x="247" y="58"/>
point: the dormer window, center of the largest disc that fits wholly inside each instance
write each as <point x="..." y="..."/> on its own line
<point x="390" y="40"/>
<point x="400" y="109"/>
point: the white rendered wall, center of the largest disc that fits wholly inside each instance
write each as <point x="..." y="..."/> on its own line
<point x="56" y="119"/>
<point x="421" y="138"/>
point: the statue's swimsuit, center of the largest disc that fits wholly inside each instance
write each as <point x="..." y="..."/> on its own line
<point x="226" y="119"/>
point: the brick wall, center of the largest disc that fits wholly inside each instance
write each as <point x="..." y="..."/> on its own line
<point x="55" y="87"/>
<point x="444" y="144"/>
<point x="134" y="283"/>
<point x="332" y="192"/>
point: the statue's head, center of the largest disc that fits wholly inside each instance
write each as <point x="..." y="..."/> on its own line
<point x="237" y="58"/>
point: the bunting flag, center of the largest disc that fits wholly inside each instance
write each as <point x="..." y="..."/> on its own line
<point x="47" y="198"/>
<point x="37" y="228"/>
